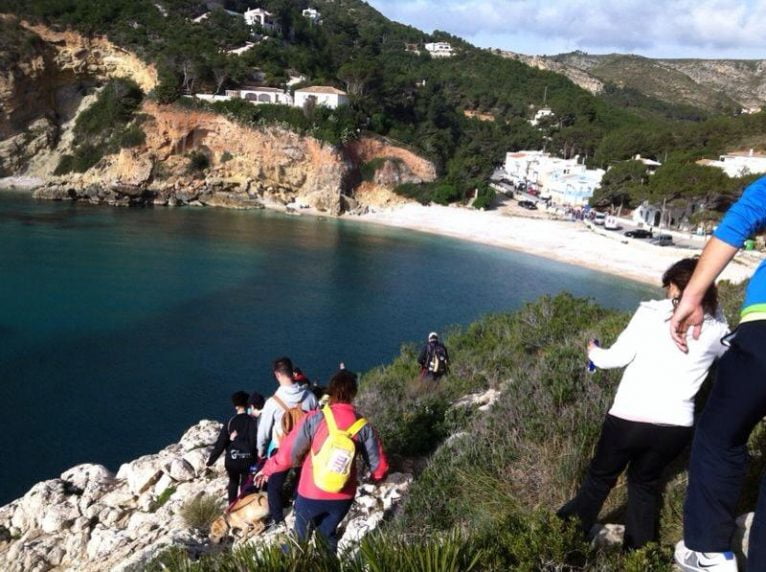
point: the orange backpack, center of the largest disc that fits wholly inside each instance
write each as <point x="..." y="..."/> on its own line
<point x="291" y="418"/>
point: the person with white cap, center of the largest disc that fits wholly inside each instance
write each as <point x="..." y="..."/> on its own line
<point x="433" y="359"/>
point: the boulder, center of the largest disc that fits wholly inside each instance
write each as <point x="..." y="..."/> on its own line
<point x="104" y="541"/>
<point x="357" y="528"/>
<point x="120" y="496"/>
<point x="141" y="473"/>
<point x="607" y="535"/>
<point x="203" y="434"/>
<point x="82" y="475"/>
<point x="197" y="459"/>
<point x="180" y="470"/>
<point x="58" y="517"/>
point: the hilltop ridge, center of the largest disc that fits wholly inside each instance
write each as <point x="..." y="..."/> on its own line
<point x="724" y="85"/>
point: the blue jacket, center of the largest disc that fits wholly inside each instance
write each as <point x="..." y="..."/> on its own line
<point x="742" y="220"/>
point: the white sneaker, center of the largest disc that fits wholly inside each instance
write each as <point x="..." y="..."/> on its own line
<point x="691" y="561"/>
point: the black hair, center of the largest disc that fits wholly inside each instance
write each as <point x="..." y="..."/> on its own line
<point x="343" y="387"/>
<point x="239" y="399"/>
<point x="681" y="273"/>
<point x="283" y="365"/>
<point x="256" y="400"/>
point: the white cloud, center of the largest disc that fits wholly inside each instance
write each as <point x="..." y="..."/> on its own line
<point x="705" y="28"/>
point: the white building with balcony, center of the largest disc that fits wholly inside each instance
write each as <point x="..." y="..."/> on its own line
<point x="563" y="181"/>
<point x="261" y="94"/>
<point x="440" y="49"/>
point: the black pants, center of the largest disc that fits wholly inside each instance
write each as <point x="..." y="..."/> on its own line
<point x="646" y="449"/>
<point x="237" y="471"/>
<point x="737" y="403"/>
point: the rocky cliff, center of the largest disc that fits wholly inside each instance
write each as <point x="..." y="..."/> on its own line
<point x="707" y="84"/>
<point x="57" y="77"/>
<point x="89" y="519"/>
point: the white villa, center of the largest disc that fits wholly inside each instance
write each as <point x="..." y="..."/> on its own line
<point x="322" y="95"/>
<point x="440" y="49"/>
<point x="312" y="14"/>
<point x="261" y="94"/>
<point x="564" y="181"/>
<point x="738" y="164"/>
<point x="257" y="95"/>
<point x="541" y="113"/>
<point x="262" y="18"/>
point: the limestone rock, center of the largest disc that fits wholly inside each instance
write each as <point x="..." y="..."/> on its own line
<point x="141" y="473"/>
<point x="104" y="541"/>
<point x="203" y="434"/>
<point x="180" y="470"/>
<point x="607" y="535"/>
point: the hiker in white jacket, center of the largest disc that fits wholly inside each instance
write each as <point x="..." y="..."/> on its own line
<point x="650" y="421"/>
<point x="287" y="396"/>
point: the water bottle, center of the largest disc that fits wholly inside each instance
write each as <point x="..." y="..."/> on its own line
<point x="592" y="366"/>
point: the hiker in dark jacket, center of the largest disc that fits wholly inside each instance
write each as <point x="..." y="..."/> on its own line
<point x="433" y="359"/>
<point x="239" y="439"/>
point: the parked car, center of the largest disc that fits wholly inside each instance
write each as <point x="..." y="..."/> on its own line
<point x="599" y="218"/>
<point x="663" y="240"/>
<point x="533" y="191"/>
<point x="611" y="223"/>
<point x="639" y="233"/>
<point x="529" y="205"/>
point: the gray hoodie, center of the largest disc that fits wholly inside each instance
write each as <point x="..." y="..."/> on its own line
<point x="270" y="421"/>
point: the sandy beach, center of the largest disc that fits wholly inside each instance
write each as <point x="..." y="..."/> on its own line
<point x="571" y="242"/>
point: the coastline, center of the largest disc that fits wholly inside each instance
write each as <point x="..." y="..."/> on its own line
<point x="569" y="242"/>
<point x="563" y="241"/>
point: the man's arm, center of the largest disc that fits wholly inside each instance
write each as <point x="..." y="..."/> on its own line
<point x="422" y="356"/>
<point x="220" y="445"/>
<point x="689" y="312"/>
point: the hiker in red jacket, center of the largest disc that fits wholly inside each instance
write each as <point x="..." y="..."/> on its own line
<point x="328" y="476"/>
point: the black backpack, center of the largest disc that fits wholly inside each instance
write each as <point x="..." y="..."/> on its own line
<point x="437" y="360"/>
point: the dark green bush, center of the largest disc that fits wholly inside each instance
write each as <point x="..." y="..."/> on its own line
<point x="103" y="127"/>
<point x="367" y="170"/>
<point x="198" y="161"/>
<point x="133" y="136"/>
<point x="485" y="197"/>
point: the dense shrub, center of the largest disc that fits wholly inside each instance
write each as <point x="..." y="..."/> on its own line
<point x="367" y="170"/>
<point x="198" y="161"/>
<point x="485" y="197"/>
<point x="201" y="511"/>
<point x="133" y="136"/>
<point x="104" y="126"/>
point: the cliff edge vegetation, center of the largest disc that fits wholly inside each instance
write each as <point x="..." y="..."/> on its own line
<point x="496" y="449"/>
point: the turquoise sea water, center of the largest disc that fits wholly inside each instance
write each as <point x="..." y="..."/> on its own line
<point x="121" y="328"/>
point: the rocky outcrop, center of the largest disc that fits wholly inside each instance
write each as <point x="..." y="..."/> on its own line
<point x="43" y="84"/>
<point x="707" y="84"/>
<point x="240" y="167"/>
<point x="91" y="520"/>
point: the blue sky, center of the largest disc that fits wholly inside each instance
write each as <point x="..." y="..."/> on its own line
<point x="667" y="28"/>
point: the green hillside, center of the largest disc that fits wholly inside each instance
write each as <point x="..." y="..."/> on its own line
<point x="416" y="100"/>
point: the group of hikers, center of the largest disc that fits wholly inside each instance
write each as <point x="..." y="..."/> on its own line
<point x="314" y="432"/>
<point x="319" y="439"/>
<point x="667" y="350"/>
<point x="652" y="418"/>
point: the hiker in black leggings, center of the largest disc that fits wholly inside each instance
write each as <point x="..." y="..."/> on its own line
<point x="238" y="438"/>
<point x="650" y="421"/>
